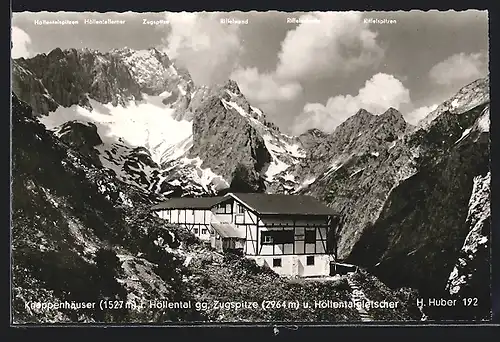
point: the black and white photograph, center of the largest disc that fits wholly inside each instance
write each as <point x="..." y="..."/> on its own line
<point x="250" y="167"/>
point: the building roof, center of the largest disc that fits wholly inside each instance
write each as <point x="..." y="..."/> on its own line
<point x="228" y="230"/>
<point x="279" y="204"/>
<point x="188" y="203"/>
<point x="264" y="204"/>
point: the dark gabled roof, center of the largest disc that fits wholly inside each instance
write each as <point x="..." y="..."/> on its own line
<point x="228" y="230"/>
<point x="278" y="204"/>
<point x="264" y="204"/>
<point x="188" y="203"/>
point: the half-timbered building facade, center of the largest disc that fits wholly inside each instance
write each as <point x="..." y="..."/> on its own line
<point x="288" y="233"/>
<point x="195" y="214"/>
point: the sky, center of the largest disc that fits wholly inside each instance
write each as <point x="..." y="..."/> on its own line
<point x="305" y="70"/>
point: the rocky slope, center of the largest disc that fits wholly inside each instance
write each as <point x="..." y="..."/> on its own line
<point x="361" y="134"/>
<point x="468" y="278"/>
<point x="80" y="235"/>
<point x="405" y="208"/>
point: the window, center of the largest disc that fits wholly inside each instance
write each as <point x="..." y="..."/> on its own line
<point x="204" y="231"/>
<point x="277" y="262"/>
<point x="240" y="209"/>
<point x="223" y="209"/>
<point x="310" y="260"/>
<point x="267" y="238"/>
<point x="310" y="236"/>
<point x="196" y="230"/>
<point x="277" y="236"/>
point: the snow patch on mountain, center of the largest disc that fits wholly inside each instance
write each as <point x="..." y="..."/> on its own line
<point x="147" y="123"/>
<point x="334" y="166"/>
<point x="189" y="175"/>
<point x="177" y="150"/>
<point x="234" y="105"/>
<point x="356" y="172"/>
<point x="181" y="90"/>
<point x="203" y="176"/>
<point x="256" y="110"/>
<point x="483" y="122"/>
<point x="276" y="167"/>
<point x="464" y="134"/>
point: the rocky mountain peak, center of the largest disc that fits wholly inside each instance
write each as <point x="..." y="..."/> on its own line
<point x="355" y="123"/>
<point x="56" y="53"/>
<point x="312" y="137"/>
<point x="232" y="86"/>
<point x="362" y="112"/>
<point x="393" y="120"/>
<point x="393" y="113"/>
<point x="314" y="132"/>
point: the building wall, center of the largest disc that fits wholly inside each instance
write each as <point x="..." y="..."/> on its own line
<point x="293" y="255"/>
<point x="299" y="246"/>
<point x="248" y="221"/>
<point x="197" y="221"/>
<point x="296" y="265"/>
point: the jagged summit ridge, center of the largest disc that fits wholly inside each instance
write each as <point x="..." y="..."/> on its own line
<point x="468" y="97"/>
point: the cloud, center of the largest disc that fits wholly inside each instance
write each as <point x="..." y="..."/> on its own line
<point x="418" y="114"/>
<point x="378" y="94"/>
<point x="264" y="88"/>
<point x="21" y="43"/>
<point x="323" y="44"/>
<point x="199" y="42"/>
<point x="459" y="68"/>
<point x="336" y="42"/>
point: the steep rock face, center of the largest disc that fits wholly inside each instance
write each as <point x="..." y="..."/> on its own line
<point x="348" y="172"/>
<point x="245" y="179"/>
<point x="469" y="279"/>
<point x="28" y="87"/>
<point x="312" y="138"/>
<point x="223" y="139"/>
<point x="156" y="74"/>
<point x="72" y="76"/>
<point x="81" y="136"/>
